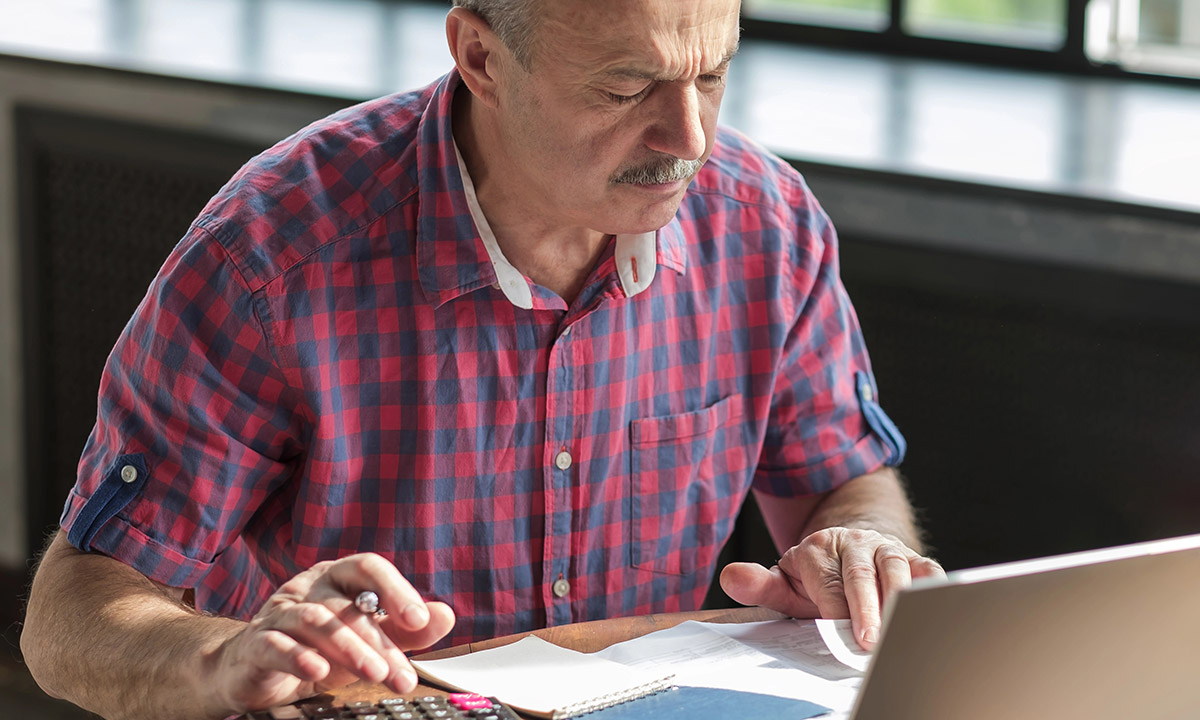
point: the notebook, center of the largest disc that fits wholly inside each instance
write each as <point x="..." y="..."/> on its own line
<point x="1110" y="634"/>
<point x="544" y="680"/>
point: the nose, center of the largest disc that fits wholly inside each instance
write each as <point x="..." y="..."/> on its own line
<point x="678" y="125"/>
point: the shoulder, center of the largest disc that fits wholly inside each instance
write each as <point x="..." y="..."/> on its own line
<point x="326" y="181"/>
<point x="742" y="171"/>
<point x="746" y="190"/>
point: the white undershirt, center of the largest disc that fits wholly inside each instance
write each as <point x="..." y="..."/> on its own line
<point x="635" y="255"/>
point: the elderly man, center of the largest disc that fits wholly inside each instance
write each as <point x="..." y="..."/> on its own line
<point x="519" y="344"/>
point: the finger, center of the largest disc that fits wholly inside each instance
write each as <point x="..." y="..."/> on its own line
<point x="401" y="677"/>
<point x="368" y="571"/>
<point x="320" y="628"/>
<point x="276" y="651"/>
<point x="861" y="586"/>
<point x="925" y="567"/>
<point x="892" y="565"/>
<point x="753" y="584"/>
<point x="819" y="570"/>
<point x="441" y="621"/>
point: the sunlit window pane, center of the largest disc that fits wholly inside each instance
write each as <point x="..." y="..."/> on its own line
<point x="317" y="44"/>
<point x="1027" y="23"/>
<point x="1157" y="36"/>
<point x="861" y="14"/>
<point x="70" y="27"/>
<point x="195" y="34"/>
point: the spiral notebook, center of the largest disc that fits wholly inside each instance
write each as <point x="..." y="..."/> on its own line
<point x="544" y="680"/>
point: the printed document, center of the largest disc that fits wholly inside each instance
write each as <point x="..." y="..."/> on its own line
<point x="787" y="658"/>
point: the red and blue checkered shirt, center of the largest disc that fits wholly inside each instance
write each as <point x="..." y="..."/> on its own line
<point x="326" y="364"/>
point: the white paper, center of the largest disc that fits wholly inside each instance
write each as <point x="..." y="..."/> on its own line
<point x="792" y="643"/>
<point x="786" y="658"/>
<point x="537" y="676"/>
<point x="839" y="638"/>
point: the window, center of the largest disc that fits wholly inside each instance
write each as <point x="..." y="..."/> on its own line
<point x="865" y="14"/>
<point x="1160" y="37"/>
<point x="1034" y="23"/>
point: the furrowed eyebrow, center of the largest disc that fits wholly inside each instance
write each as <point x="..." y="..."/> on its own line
<point x="636" y="74"/>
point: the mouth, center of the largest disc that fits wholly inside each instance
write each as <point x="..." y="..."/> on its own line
<point x="664" y="188"/>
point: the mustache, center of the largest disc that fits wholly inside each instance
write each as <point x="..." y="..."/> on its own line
<point x="661" y="170"/>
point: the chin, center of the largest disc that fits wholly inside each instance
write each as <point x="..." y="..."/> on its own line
<point x="649" y="218"/>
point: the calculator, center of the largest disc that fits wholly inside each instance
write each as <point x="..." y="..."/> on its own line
<point x="455" y="706"/>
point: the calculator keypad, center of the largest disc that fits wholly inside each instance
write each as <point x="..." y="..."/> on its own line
<point x="456" y="706"/>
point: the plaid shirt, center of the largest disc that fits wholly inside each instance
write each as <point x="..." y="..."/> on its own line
<point x="331" y="361"/>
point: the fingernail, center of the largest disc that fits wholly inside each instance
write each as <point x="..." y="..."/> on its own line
<point x="871" y="635"/>
<point x="416" y="616"/>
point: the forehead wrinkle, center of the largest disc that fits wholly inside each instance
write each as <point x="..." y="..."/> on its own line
<point x="642" y="40"/>
<point x="636" y="70"/>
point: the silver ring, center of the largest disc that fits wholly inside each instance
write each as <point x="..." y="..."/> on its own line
<point x="367" y="603"/>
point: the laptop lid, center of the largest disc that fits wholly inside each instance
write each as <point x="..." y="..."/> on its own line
<point x="1099" y="635"/>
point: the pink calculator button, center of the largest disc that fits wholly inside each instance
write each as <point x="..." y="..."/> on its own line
<point x="468" y="701"/>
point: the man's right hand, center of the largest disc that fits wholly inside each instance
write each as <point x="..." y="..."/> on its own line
<point x="309" y="637"/>
<point x="102" y="635"/>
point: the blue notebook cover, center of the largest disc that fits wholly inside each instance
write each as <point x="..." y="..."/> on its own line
<point x="699" y="703"/>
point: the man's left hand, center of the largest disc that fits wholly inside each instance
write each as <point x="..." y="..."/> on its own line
<point x="834" y="573"/>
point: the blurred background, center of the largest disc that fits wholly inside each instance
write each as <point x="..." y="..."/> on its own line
<point x="1016" y="184"/>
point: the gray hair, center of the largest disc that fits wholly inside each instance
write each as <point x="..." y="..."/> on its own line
<point x="513" y="21"/>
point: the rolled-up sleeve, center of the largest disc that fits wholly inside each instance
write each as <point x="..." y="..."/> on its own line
<point x="196" y="426"/>
<point x="826" y="425"/>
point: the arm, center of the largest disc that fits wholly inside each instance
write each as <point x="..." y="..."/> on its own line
<point x="844" y="553"/>
<point x="876" y="501"/>
<point x="103" y="636"/>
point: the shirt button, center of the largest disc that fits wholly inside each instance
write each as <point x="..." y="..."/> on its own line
<point x="563" y="460"/>
<point x="129" y="474"/>
<point x="867" y="393"/>
<point x="566" y="332"/>
<point x="561" y="587"/>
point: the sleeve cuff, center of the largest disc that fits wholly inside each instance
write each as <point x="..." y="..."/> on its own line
<point x="867" y="455"/>
<point x="115" y="537"/>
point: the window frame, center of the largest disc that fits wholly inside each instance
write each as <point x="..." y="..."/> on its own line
<point x="1071" y="58"/>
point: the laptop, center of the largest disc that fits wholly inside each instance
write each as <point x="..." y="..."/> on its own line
<point x="1101" y="635"/>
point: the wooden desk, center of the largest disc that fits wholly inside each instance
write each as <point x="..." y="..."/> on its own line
<point x="585" y="637"/>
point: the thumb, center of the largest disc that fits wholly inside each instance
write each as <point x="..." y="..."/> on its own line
<point x="753" y="584"/>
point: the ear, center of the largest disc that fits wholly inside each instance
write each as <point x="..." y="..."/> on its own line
<point x="477" y="52"/>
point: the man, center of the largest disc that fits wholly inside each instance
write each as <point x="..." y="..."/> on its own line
<point x="518" y="344"/>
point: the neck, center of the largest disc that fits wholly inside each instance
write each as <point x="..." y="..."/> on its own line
<point x="558" y="257"/>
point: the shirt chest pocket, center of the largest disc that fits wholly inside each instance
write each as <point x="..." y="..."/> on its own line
<point x="687" y="477"/>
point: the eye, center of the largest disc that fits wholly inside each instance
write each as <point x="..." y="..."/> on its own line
<point x="713" y="80"/>
<point x="629" y="99"/>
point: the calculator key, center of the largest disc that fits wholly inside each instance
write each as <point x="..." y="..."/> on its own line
<point x="469" y="701"/>
<point x="287" y="712"/>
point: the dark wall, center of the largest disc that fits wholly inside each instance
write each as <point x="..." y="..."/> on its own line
<point x="101" y="204"/>
<point x="1048" y="409"/>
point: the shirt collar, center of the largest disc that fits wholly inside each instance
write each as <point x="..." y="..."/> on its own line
<point x="457" y="252"/>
